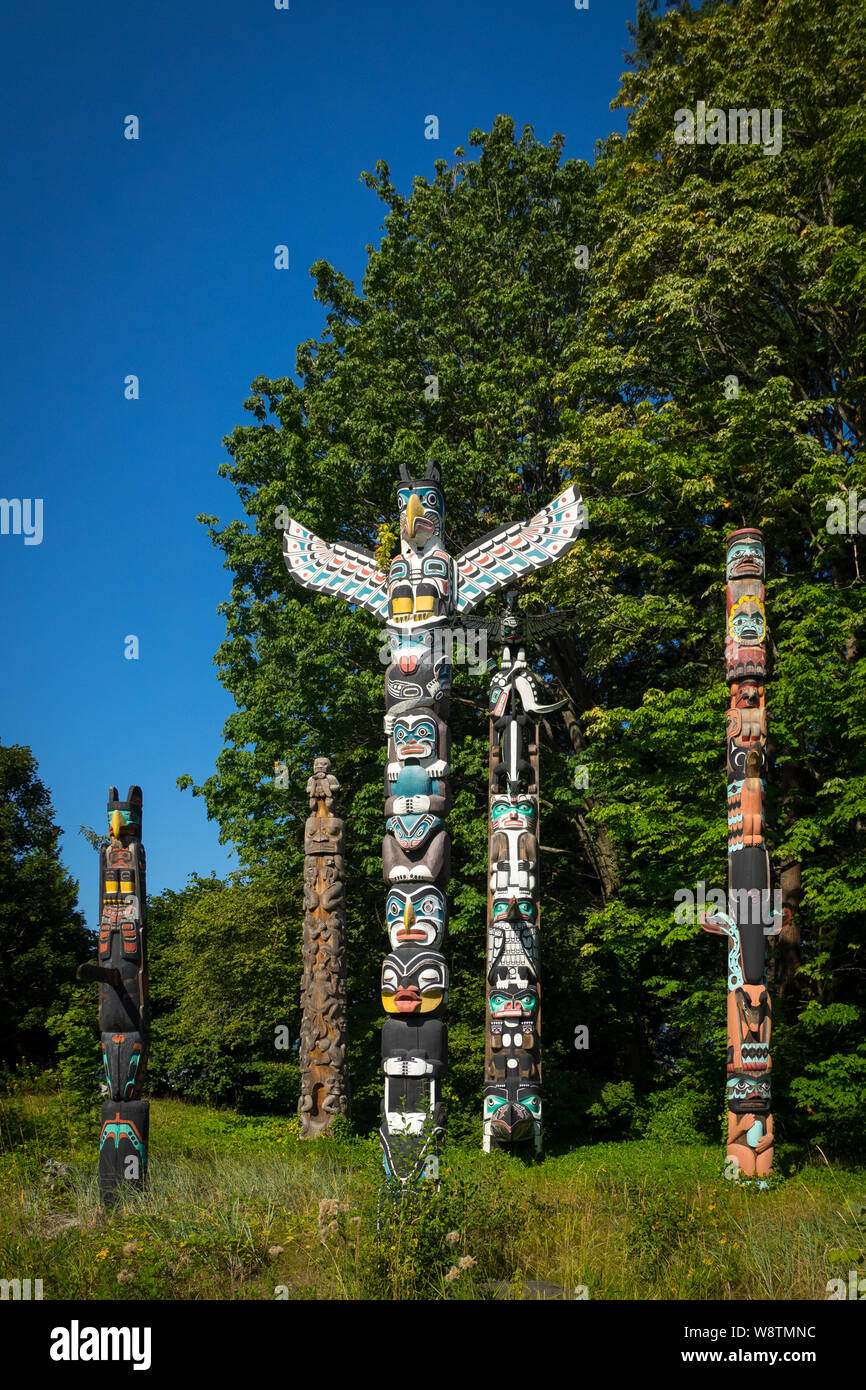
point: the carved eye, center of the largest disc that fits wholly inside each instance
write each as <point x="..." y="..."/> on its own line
<point x="429" y="907"/>
<point x="389" y="978"/>
<point x="429" y="979"/>
<point x="532" y="1103"/>
<point x="432" y="499"/>
<point x="393" y="908"/>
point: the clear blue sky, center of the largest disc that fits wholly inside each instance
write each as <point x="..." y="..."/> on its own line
<point x="156" y="257"/>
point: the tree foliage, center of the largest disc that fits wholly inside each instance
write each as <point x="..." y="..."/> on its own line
<point x="706" y="263"/>
<point x="42" y="934"/>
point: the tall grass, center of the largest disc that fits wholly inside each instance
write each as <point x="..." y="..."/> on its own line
<point x="239" y="1208"/>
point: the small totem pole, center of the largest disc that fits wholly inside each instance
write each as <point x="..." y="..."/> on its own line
<point x="512" y="1056"/>
<point x="124" y="1011"/>
<point x="324" y="1083"/>
<point x="418" y="599"/>
<point x="750" y="917"/>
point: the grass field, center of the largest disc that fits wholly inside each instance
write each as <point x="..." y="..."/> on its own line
<point x="241" y="1208"/>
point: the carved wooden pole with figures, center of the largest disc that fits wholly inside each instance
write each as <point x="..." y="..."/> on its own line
<point x="512" y="1054"/>
<point x="425" y="590"/>
<point x="324" y="1080"/>
<point x="124" y="1009"/>
<point x="750" y="917"/>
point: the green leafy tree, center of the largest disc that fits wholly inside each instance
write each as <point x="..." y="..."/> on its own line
<point x="42" y="934"/>
<point x="475" y="283"/>
<point x="710" y="268"/>
<point x="229" y="961"/>
<point x="718" y="382"/>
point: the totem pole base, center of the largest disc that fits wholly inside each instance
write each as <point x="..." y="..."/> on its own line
<point x="123" y="1147"/>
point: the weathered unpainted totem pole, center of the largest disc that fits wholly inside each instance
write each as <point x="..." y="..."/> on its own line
<point x="419" y="598"/>
<point x="512" y="1053"/>
<point x="324" y="1082"/>
<point x="124" y="1010"/>
<point x="751" y="916"/>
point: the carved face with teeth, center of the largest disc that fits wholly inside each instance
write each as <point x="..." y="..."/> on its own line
<point x="747" y="624"/>
<point x="745" y="556"/>
<point x="416" y="737"/>
<point x="749" y="1095"/>
<point x="513" y="812"/>
<point x="414" y="981"/>
<point x="513" y="1002"/>
<point x="416" y="916"/>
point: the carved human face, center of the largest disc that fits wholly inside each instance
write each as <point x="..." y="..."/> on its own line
<point x="416" y="737"/>
<point x="513" y="813"/>
<point x="747" y="623"/>
<point x="746" y="557"/>
<point x="513" y="1002"/>
<point x="414" y="981"/>
<point x="750" y="1094"/>
<point x="416" y="916"/>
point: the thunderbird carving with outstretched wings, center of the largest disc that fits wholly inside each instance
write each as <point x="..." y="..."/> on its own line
<point x="504" y="555"/>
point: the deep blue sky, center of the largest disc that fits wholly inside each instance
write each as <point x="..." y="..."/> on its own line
<point x="155" y="257"/>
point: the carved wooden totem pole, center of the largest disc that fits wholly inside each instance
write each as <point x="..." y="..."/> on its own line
<point x="124" y="1011"/>
<point x="419" y="598"/>
<point x="751" y="915"/>
<point x="512" y="1056"/>
<point x="324" y="1083"/>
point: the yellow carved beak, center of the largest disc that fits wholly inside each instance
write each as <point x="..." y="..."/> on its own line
<point x="408" y="915"/>
<point x="413" y="511"/>
<point x="116" y="824"/>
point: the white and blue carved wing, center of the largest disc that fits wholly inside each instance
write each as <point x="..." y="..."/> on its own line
<point x="334" y="568"/>
<point x="519" y="548"/>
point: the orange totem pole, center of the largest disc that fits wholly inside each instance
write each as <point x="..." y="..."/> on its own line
<point x="751" y="916"/>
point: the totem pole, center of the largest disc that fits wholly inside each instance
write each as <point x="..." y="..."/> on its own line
<point x="124" y="1011"/>
<point x="512" y="1056"/>
<point x="324" y="1084"/>
<point x="750" y="916"/>
<point x="422" y="593"/>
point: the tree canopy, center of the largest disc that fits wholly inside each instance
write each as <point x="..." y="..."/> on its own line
<point x="698" y="368"/>
<point x="42" y="934"/>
